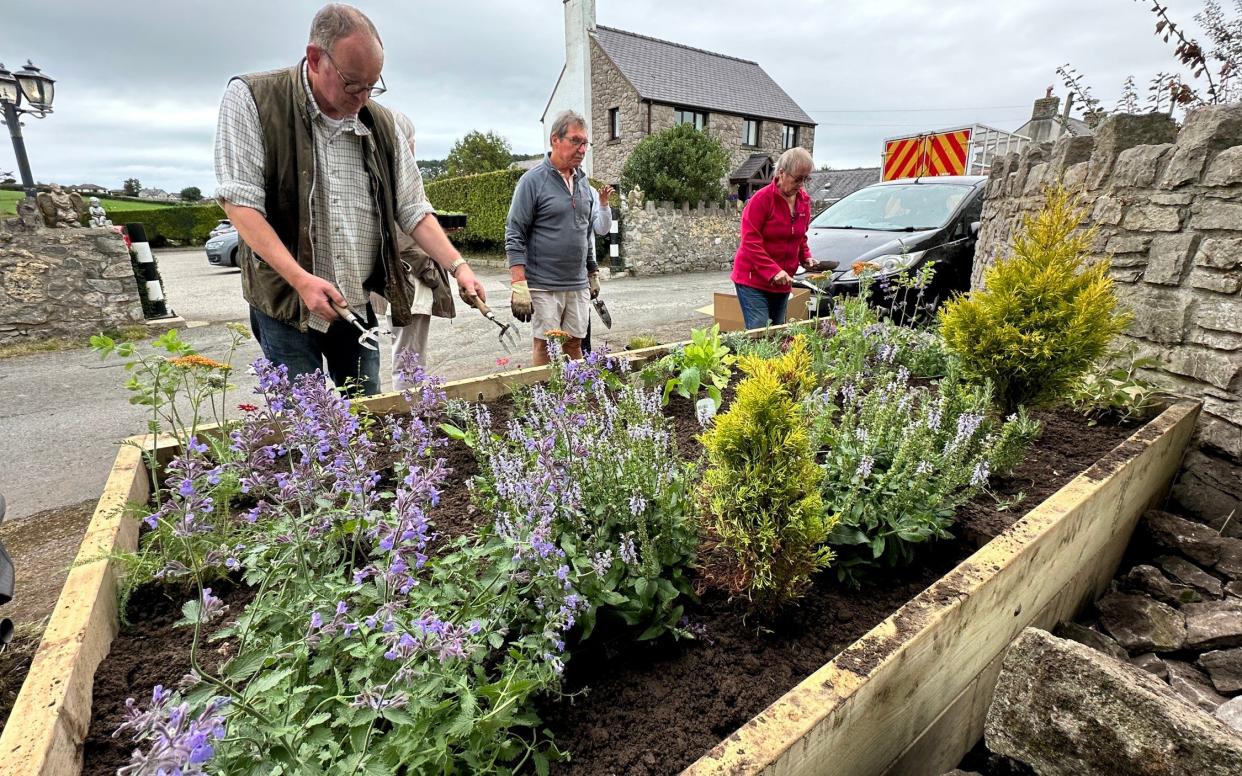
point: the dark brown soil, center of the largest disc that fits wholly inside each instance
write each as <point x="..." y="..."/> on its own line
<point x="1067" y="446"/>
<point x="147" y="652"/>
<point x="637" y="707"/>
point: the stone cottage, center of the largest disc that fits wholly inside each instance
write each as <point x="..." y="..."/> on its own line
<point x="635" y="85"/>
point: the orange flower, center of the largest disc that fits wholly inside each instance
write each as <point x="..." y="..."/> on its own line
<point x="556" y="334"/>
<point x="860" y="267"/>
<point x="195" y="360"/>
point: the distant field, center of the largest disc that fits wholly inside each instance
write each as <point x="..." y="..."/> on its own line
<point x="8" y="204"/>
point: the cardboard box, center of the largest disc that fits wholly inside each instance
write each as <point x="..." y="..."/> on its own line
<point x="728" y="313"/>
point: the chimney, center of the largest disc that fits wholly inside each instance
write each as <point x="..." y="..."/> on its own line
<point x="576" y="95"/>
<point x="1046" y="107"/>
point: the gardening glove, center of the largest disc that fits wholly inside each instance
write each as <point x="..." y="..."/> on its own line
<point x="520" y="304"/>
<point x="593" y="282"/>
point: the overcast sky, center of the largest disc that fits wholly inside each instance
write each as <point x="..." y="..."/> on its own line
<point x="139" y="81"/>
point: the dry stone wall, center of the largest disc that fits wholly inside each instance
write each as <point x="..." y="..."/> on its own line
<point x="662" y="238"/>
<point x="1168" y="207"/>
<point x="63" y="282"/>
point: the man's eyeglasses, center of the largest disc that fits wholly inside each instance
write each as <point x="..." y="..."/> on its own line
<point x="573" y="141"/>
<point x="352" y="88"/>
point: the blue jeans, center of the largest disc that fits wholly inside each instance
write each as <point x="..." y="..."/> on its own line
<point x="305" y="352"/>
<point x="759" y="307"/>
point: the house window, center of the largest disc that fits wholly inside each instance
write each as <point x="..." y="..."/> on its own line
<point x="614" y="123"/>
<point x="750" y="132"/>
<point x="791" y="135"/>
<point x="697" y="118"/>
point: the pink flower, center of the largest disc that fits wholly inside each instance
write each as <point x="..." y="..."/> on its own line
<point x="502" y="362"/>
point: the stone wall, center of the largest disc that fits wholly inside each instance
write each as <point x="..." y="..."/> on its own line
<point x="63" y="282"/>
<point x="658" y="239"/>
<point x="609" y="89"/>
<point x="1168" y="206"/>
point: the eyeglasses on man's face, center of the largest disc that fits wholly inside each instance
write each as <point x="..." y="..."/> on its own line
<point x="353" y="88"/>
<point x="576" y="142"/>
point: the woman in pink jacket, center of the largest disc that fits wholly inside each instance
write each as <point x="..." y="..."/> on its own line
<point x="773" y="243"/>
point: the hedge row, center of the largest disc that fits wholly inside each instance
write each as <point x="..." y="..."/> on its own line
<point x="484" y="198"/>
<point x="187" y="224"/>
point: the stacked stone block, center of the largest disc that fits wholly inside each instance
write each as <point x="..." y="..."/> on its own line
<point x="1168" y="207"/>
<point x="662" y="238"/>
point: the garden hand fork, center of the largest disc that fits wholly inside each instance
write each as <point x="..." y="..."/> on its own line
<point x="508" y="332"/>
<point x="369" y="338"/>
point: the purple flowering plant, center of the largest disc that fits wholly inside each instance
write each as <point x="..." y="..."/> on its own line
<point x="369" y="645"/>
<point x="588" y="467"/>
<point x="900" y="457"/>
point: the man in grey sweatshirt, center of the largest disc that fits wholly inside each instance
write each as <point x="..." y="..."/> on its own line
<point x="547" y="240"/>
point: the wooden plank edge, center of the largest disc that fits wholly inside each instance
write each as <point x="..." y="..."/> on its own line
<point x="826" y="698"/>
<point x="51" y="715"/>
<point x="54" y="702"/>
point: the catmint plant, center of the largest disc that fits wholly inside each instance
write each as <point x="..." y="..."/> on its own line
<point x="594" y="452"/>
<point x="899" y="458"/>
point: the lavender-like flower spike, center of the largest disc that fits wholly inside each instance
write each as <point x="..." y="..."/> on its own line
<point x="865" y="466"/>
<point x="979" y="477"/>
<point x="210" y="607"/>
<point x="179" y="744"/>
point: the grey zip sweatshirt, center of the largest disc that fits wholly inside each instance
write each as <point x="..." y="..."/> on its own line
<point x="548" y="229"/>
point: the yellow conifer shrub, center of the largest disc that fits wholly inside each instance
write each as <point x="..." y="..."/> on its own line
<point x="1044" y="316"/>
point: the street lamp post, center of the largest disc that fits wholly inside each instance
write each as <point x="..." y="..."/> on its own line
<point x="35" y="89"/>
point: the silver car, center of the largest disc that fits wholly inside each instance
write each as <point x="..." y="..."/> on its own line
<point x="222" y="249"/>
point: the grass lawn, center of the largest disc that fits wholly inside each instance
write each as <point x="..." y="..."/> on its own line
<point x="8" y="204"/>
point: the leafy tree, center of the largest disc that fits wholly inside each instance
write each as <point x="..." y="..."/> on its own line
<point x="681" y="164"/>
<point x="131" y="187"/>
<point x="478" y="152"/>
<point x="191" y="194"/>
<point x="431" y="168"/>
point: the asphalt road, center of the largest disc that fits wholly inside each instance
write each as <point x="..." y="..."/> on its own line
<point x="63" y="414"/>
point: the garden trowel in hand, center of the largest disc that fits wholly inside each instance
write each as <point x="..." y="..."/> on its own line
<point x="602" y="309"/>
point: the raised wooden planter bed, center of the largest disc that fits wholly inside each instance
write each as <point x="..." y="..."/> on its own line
<point x="908" y="698"/>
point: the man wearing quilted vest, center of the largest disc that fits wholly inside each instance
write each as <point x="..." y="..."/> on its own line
<point x="319" y="183"/>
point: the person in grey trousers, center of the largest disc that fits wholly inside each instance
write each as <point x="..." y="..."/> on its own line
<point x="547" y="240"/>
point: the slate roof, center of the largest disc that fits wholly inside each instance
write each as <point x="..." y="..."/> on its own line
<point x="835" y="184"/>
<point x="683" y="76"/>
<point x="749" y="167"/>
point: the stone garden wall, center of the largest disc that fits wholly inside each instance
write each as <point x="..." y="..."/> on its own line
<point x="63" y="282"/>
<point x="1168" y="207"/>
<point x="662" y="238"/>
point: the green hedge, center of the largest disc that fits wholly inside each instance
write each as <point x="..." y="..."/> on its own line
<point x="187" y="224"/>
<point x="484" y="198"/>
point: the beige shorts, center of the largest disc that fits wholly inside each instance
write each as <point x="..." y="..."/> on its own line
<point x="564" y="310"/>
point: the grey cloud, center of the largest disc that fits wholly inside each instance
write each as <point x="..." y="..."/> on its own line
<point x="491" y="65"/>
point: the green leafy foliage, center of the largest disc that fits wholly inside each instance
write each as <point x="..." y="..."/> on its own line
<point x="186" y="224"/>
<point x="484" y="198"/>
<point x="1112" y="388"/>
<point x="899" y="459"/>
<point x="703" y="364"/>
<point x="476" y="153"/>
<point x="763" y="489"/>
<point x="625" y="518"/>
<point x="680" y="164"/>
<point x="1044" y="316"/>
<point x="131" y="187"/>
<point x="191" y="194"/>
